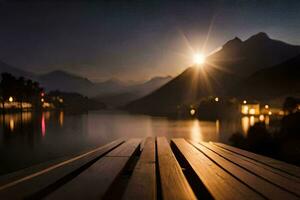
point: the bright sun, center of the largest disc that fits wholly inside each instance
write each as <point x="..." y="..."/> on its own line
<point x="199" y="59"/>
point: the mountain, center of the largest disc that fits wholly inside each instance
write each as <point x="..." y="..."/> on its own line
<point x="257" y="52"/>
<point x="64" y="81"/>
<point x="4" y="67"/>
<point x="111" y="86"/>
<point x="185" y="89"/>
<point x="68" y="82"/>
<point x="276" y="81"/>
<point x="133" y="91"/>
<point x="223" y="70"/>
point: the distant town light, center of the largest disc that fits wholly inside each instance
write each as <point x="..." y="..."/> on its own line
<point x="267" y="106"/>
<point x="42" y="100"/>
<point x="10" y="99"/>
<point x="42" y="94"/>
<point x="270" y="113"/>
<point x="217" y="99"/>
<point x="192" y="112"/>
<point x="244" y="102"/>
<point x="61" y="100"/>
<point x="261" y="118"/>
<point x="252" y="111"/>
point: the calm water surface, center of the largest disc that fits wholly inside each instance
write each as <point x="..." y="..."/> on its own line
<point x="30" y="138"/>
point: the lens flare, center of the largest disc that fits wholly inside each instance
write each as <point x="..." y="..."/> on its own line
<point x="199" y="59"/>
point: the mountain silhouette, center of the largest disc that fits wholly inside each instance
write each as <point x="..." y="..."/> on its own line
<point x="223" y="71"/>
<point x="243" y="58"/>
<point x="113" y="90"/>
<point x="64" y="81"/>
<point x="4" y="67"/>
<point x="185" y="89"/>
<point x="279" y="80"/>
<point x="132" y="92"/>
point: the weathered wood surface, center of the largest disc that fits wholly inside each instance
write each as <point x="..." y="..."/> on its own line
<point x="179" y="169"/>
<point x="173" y="182"/>
<point x="142" y="184"/>
<point x="219" y="183"/>
<point x="30" y="184"/>
<point x="267" y="189"/>
<point x="285" y="167"/>
<point x="278" y="178"/>
<point x="95" y="181"/>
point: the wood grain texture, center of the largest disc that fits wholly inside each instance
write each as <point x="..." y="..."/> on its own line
<point x="30" y="184"/>
<point x="219" y="183"/>
<point x="142" y="184"/>
<point x="127" y="149"/>
<point x="258" y="184"/>
<point x="173" y="182"/>
<point x="96" y="180"/>
<point x="275" y="178"/>
<point x="287" y="168"/>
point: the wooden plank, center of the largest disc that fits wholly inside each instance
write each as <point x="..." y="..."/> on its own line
<point x="35" y="182"/>
<point x="287" y="168"/>
<point x="142" y="184"/>
<point x="219" y="183"/>
<point x="258" y="184"/>
<point x="125" y="150"/>
<point x="275" y="178"/>
<point x="259" y="164"/>
<point x="96" y="180"/>
<point x="173" y="182"/>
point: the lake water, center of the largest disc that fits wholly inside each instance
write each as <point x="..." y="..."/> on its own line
<point x="31" y="138"/>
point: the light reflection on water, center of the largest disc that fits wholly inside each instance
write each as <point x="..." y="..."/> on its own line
<point x="30" y="138"/>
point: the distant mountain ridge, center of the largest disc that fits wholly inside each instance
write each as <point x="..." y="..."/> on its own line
<point x="69" y="82"/>
<point x="4" y="67"/>
<point x="224" y="70"/>
<point x="257" y="52"/>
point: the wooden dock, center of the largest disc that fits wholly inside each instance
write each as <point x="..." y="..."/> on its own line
<point x="155" y="168"/>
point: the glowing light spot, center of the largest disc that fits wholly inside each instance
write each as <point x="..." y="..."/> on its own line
<point x="245" y="110"/>
<point x="217" y="99"/>
<point x="252" y="120"/>
<point x="245" y="124"/>
<point x="11" y="124"/>
<point x="192" y="112"/>
<point x="261" y="118"/>
<point x="270" y="113"/>
<point x="267" y="106"/>
<point x="43" y="125"/>
<point x="42" y="100"/>
<point x="252" y="111"/>
<point x="10" y="99"/>
<point x="244" y="102"/>
<point x="199" y="59"/>
<point x="61" y="118"/>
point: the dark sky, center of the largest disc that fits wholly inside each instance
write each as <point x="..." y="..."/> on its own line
<point x="133" y="40"/>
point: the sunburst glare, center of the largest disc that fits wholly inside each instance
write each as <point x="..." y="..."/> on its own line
<point x="199" y="59"/>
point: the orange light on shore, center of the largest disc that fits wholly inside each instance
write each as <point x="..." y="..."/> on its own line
<point x="192" y="112"/>
<point x="10" y="99"/>
<point x="267" y="106"/>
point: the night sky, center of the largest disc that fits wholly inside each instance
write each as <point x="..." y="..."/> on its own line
<point x="133" y="40"/>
